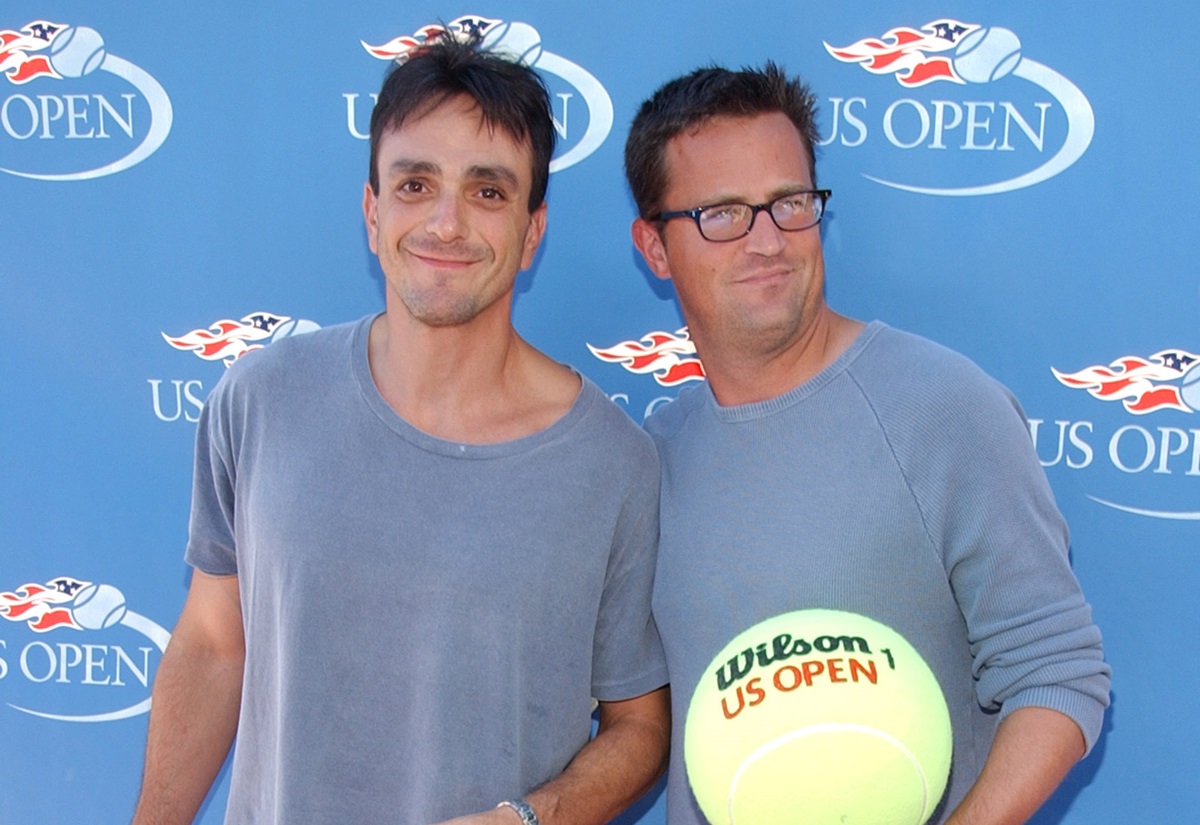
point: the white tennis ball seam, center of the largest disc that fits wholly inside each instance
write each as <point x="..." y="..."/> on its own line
<point x="824" y="727"/>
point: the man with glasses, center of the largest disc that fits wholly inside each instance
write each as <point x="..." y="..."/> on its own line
<point x="828" y="463"/>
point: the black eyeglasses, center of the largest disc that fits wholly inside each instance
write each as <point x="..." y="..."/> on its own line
<point x="730" y="221"/>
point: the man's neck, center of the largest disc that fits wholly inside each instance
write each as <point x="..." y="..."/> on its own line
<point x="748" y="376"/>
<point x="478" y="382"/>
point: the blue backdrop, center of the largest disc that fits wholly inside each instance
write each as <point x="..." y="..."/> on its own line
<point x="179" y="183"/>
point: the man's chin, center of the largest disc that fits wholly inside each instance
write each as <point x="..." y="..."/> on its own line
<point x="442" y="310"/>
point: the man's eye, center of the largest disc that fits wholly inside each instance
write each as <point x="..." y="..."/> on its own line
<point x="793" y="204"/>
<point x="723" y="214"/>
<point x="491" y="193"/>
<point x="412" y="187"/>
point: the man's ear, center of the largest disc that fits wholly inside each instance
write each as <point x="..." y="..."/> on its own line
<point x="371" y="216"/>
<point x="648" y="239"/>
<point x="533" y="235"/>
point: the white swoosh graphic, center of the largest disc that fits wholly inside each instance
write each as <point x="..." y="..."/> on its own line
<point x="160" y="123"/>
<point x="151" y="631"/>
<point x="600" y="110"/>
<point x="1167" y="514"/>
<point x="1081" y="126"/>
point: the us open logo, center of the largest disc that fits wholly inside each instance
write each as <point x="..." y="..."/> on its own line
<point x="76" y="110"/>
<point x="226" y="340"/>
<point x="76" y="652"/>
<point x="1153" y="437"/>
<point x="581" y="129"/>
<point x="975" y="115"/>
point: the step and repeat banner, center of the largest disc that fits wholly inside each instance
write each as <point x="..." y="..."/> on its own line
<point x="181" y="184"/>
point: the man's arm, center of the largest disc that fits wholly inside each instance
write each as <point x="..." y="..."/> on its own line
<point x="622" y="762"/>
<point x="1033" y="750"/>
<point x="196" y="697"/>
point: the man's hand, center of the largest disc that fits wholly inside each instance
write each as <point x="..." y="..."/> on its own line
<point x="496" y="816"/>
<point x="622" y="762"/>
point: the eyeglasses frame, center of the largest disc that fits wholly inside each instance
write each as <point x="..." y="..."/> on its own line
<point x="823" y="194"/>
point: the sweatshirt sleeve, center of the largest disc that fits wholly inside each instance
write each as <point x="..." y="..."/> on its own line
<point x="987" y="505"/>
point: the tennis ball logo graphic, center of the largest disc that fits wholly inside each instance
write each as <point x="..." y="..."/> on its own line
<point x="1189" y="389"/>
<point x="98" y="606"/>
<point x="987" y="54"/>
<point x="517" y="40"/>
<point x="818" y="716"/>
<point x="77" y="51"/>
<point x="294" y="326"/>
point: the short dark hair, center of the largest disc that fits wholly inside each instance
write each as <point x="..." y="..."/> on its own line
<point x="510" y="96"/>
<point x="690" y="101"/>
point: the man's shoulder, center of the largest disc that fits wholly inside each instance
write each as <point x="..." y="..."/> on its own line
<point x="283" y="352"/>
<point x="897" y="347"/>
<point x="669" y="419"/>
<point x="595" y="443"/>
<point x="909" y="364"/>
<point x="280" y="362"/>
<point x="924" y="385"/>
<point x="608" y="423"/>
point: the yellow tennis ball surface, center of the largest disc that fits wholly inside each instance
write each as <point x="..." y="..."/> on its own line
<point x="820" y="717"/>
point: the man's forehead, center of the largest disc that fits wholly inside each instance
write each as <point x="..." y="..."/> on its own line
<point x="743" y="127"/>
<point x="736" y="156"/>
<point x="453" y="136"/>
<point x="460" y="113"/>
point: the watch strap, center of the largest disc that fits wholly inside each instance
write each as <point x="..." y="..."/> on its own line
<point x="528" y="817"/>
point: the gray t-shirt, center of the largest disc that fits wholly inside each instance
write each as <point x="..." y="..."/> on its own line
<point x="899" y="483"/>
<point x="426" y="621"/>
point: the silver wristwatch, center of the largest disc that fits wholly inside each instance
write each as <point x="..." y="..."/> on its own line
<point x="528" y="817"/>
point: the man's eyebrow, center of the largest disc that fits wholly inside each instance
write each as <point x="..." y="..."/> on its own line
<point x="406" y="166"/>
<point x="791" y="189"/>
<point x="494" y="174"/>
<point x="778" y="192"/>
<point x="480" y="172"/>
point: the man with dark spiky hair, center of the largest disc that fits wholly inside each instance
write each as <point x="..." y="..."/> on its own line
<point x="421" y="548"/>
<point x="828" y="463"/>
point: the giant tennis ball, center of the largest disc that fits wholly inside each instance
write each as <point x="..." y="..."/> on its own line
<point x="821" y="717"/>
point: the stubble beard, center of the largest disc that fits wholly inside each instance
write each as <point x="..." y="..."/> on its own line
<point x="440" y="311"/>
<point x="441" y="305"/>
<point x="763" y="331"/>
